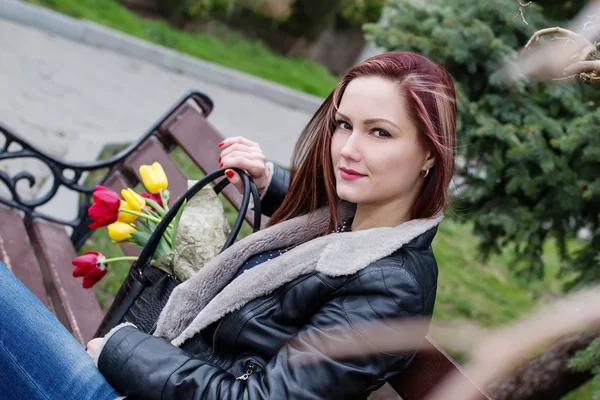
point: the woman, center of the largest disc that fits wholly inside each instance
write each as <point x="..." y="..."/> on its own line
<point x="348" y="246"/>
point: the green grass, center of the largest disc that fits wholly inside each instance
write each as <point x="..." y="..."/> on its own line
<point x="230" y="49"/>
<point x="487" y="293"/>
<point x="585" y="392"/>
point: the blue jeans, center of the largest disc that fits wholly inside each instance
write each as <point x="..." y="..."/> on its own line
<point x="39" y="358"/>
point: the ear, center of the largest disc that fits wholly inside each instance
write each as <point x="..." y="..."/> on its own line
<point x="429" y="160"/>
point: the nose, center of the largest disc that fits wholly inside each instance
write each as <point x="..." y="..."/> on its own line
<point x="351" y="149"/>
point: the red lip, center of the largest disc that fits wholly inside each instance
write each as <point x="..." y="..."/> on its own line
<point x="350" y="174"/>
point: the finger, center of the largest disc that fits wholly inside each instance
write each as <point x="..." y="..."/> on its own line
<point x="241" y="147"/>
<point x="237" y="139"/>
<point x="235" y="180"/>
<point x="243" y="154"/>
<point x="256" y="169"/>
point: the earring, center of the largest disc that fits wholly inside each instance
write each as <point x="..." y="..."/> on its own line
<point x="425" y="173"/>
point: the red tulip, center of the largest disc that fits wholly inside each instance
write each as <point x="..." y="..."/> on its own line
<point x="90" y="265"/>
<point x="156" y="197"/>
<point x="105" y="209"/>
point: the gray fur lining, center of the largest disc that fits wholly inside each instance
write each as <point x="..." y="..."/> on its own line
<point x="207" y="297"/>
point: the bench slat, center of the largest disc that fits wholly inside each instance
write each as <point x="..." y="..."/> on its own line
<point x="75" y="307"/>
<point x="18" y="254"/>
<point x="199" y="139"/>
<point x="430" y="367"/>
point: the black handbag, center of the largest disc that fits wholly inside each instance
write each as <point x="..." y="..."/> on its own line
<point x="146" y="289"/>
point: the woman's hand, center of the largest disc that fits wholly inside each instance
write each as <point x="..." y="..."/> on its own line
<point x="239" y="152"/>
<point x="93" y="346"/>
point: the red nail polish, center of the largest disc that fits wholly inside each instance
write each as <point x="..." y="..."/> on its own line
<point x="229" y="174"/>
<point x="219" y="159"/>
<point x="221" y="144"/>
<point x="221" y="165"/>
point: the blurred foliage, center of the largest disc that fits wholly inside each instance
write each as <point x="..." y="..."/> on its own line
<point x="277" y="10"/>
<point x="531" y="152"/>
<point x="305" y="19"/>
<point x="181" y="10"/>
<point x="355" y="13"/>
<point x="309" y="18"/>
<point x="560" y="10"/>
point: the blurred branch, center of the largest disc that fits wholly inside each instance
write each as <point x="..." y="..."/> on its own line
<point x="588" y="71"/>
<point x="588" y="48"/>
<point x="548" y="376"/>
<point x="498" y="353"/>
<point x="562" y="31"/>
<point x="520" y="12"/>
<point x="577" y="64"/>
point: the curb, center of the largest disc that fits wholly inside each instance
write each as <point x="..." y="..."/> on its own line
<point x="97" y="35"/>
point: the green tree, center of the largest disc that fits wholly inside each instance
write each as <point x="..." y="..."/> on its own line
<point x="589" y="360"/>
<point x="530" y="152"/>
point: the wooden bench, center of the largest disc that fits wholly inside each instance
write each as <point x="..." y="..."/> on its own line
<point x="39" y="248"/>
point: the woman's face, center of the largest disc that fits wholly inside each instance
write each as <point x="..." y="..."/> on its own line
<point x="376" y="152"/>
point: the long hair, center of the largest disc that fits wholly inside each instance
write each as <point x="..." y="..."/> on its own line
<point x="431" y="99"/>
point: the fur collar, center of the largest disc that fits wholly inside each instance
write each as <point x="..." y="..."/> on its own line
<point x="209" y="295"/>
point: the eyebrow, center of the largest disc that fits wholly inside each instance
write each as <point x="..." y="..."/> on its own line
<point x="372" y="120"/>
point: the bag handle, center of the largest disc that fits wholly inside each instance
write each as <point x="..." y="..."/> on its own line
<point x="249" y="190"/>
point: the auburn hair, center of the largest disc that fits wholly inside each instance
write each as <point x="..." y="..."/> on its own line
<point x="431" y="98"/>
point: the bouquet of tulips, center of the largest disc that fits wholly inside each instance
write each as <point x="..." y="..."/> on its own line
<point x="187" y="244"/>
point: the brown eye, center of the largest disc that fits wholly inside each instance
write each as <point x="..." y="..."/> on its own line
<point x="381" y="133"/>
<point x="343" y="125"/>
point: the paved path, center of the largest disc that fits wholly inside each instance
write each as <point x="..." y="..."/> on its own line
<point x="72" y="99"/>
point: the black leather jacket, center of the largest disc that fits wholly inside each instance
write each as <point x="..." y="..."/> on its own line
<point x="254" y="342"/>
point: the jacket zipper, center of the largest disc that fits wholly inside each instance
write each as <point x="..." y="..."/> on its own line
<point x="249" y="371"/>
<point x="214" y="347"/>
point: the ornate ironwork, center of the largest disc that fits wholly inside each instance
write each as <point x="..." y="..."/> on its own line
<point x="69" y="175"/>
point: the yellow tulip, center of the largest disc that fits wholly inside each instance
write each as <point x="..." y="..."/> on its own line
<point x="154" y="177"/>
<point x="126" y="217"/>
<point x="134" y="201"/>
<point x="120" y="231"/>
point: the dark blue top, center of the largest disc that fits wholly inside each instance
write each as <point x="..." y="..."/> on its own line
<point x="260" y="258"/>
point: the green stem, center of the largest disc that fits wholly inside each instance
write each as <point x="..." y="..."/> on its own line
<point x="139" y="214"/>
<point x="164" y="195"/>
<point x="168" y="239"/>
<point x="159" y="209"/>
<point x="110" y="260"/>
<point x="150" y="211"/>
<point x="169" y="232"/>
